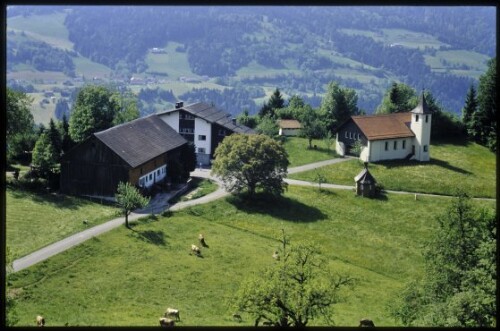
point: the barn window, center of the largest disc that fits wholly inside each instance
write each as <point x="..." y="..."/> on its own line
<point x="346" y="134"/>
<point x="359" y="136"/>
<point x="386" y="145"/>
<point x="150" y="176"/>
<point x="395" y="144"/>
<point x="158" y="172"/>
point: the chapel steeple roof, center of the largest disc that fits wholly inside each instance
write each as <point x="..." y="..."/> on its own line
<point x="422" y="107"/>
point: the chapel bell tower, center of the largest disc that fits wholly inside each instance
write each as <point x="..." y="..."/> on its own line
<point x="421" y="118"/>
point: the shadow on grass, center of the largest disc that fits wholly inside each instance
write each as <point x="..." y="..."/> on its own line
<point x="278" y="207"/>
<point x="458" y="141"/>
<point x="153" y="237"/>
<point x="440" y="163"/>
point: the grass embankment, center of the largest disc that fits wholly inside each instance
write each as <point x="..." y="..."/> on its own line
<point x="129" y="277"/>
<point x="470" y="167"/>
<point x="300" y="154"/>
<point x="37" y="220"/>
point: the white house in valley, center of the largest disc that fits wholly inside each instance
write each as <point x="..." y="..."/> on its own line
<point x="388" y="137"/>
<point x="204" y="125"/>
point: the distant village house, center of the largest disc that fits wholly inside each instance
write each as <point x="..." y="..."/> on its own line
<point x="289" y="127"/>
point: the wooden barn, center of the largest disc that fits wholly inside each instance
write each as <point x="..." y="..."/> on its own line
<point x="136" y="152"/>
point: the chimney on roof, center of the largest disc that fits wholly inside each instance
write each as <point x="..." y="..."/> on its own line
<point x="179" y="104"/>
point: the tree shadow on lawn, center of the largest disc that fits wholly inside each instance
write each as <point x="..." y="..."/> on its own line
<point x="153" y="237"/>
<point x="284" y="208"/>
<point x="440" y="163"/>
<point x="150" y="236"/>
<point x="458" y="141"/>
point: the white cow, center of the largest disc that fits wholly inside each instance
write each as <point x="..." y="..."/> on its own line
<point x="171" y="312"/>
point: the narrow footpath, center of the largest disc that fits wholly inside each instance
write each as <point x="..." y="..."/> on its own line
<point x="160" y="203"/>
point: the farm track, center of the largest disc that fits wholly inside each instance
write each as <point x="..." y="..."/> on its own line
<point x="160" y="203"/>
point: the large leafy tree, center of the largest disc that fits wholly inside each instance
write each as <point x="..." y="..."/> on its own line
<point x="128" y="109"/>
<point x="338" y="105"/>
<point x="268" y="126"/>
<point x="248" y="162"/>
<point x="485" y="118"/>
<point x="294" y="291"/>
<point x="313" y="126"/>
<point x="397" y="99"/>
<point x="128" y="199"/>
<point x="95" y="110"/>
<point x="459" y="284"/>
<point x="20" y="125"/>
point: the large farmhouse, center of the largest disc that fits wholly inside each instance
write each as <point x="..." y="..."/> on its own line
<point x="136" y="152"/>
<point x="204" y="125"/>
<point x="388" y="137"/>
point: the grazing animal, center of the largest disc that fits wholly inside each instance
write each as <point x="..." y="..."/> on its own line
<point x="201" y="239"/>
<point x="276" y="256"/>
<point x="195" y="249"/>
<point x="166" y="322"/>
<point x="237" y="317"/>
<point x="40" y="321"/>
<point x="365" y="322"/>
<point x="171" y="312"/>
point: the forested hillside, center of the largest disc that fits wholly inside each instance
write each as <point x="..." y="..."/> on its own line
<point x="298" y="49"/>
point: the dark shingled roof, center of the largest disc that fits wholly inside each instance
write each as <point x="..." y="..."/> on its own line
<point x="141" y="140"/>
<point x="365" y="177"/>
<point x="213" y="115"/>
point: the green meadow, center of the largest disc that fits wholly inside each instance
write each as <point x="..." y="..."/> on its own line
<point x="467" y="166"/>
<point x="129" y="277"/>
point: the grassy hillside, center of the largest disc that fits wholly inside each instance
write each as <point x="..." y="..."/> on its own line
<point x="299" y="153"/>
<point x="34" y="221"/>
<point x="470" y="167"/>
<point x="129" y="277"/>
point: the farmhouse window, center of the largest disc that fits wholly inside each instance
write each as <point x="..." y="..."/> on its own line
<point x="404" y="144"/>
<point x="202" y="137"/>
<point x="395" y="144"/>
<point x="426" y="118"/>
<point x="158" y="172"/>
<point x="150" y="176"/>
<point x="386" y="145"/>
<point x="416" y="119"/>
<point x="201" y="150"/>
<point x="425" y="148"/>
